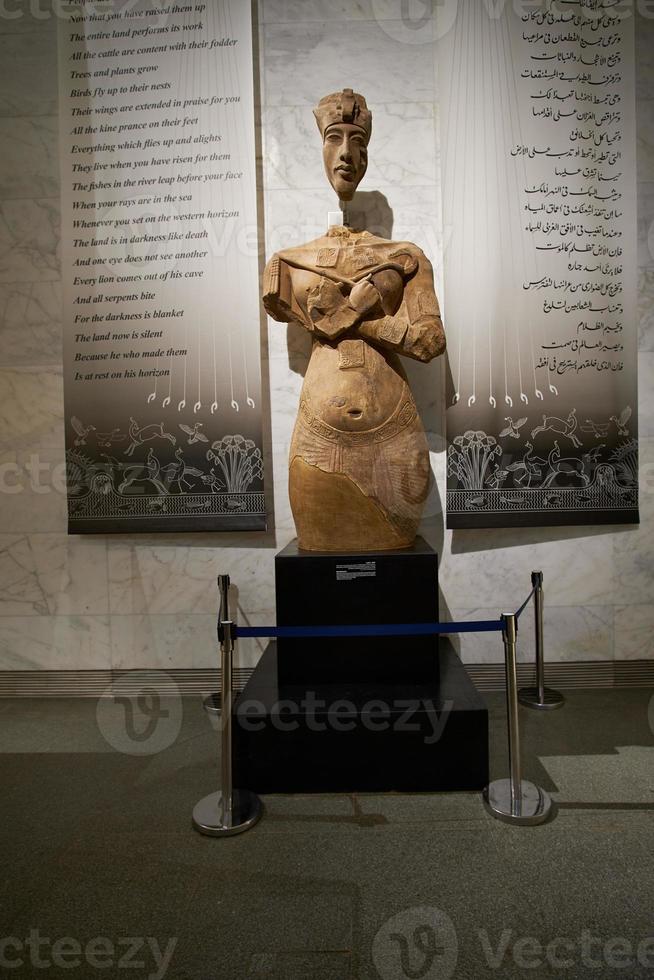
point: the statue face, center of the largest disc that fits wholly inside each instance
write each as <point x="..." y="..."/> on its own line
<point x="346" y="158"/>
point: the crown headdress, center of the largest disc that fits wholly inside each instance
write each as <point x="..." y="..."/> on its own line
<point x="343" y="107"/>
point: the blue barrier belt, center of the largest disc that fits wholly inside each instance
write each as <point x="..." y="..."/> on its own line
<point x="382" y="629"/>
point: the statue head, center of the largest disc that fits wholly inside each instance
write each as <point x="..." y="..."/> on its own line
<point x="345" y="123"/>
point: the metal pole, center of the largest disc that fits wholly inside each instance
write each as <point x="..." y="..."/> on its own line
<point x="544" y="698"/>
<point x="226" y="661"/>
<point x="213" y="703"/>
<point x="509" y="636"/>
<point x="514" y="800"/>
<point x="230" y="811"/>
<point x="343" y="205"/>
<point x="537" y="582"/>
<point x="223" y="588"/>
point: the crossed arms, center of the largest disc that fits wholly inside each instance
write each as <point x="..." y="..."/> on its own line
<point x="393" y="304"/>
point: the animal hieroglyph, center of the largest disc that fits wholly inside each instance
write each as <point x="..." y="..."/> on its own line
<point x="564" y="427"/>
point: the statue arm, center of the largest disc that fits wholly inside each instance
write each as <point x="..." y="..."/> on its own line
<point x="329" y="314"/>
<point x="277" y="293"/>
<point x="416" y="330"/>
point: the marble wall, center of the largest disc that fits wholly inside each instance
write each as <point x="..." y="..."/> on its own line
<point x="149" y="600"/>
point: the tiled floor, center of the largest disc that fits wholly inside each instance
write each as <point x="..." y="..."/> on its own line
<point x="97" y="846"/>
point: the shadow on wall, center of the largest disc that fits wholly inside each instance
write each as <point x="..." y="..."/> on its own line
<point x="371" y="211"/>
<point x="465" y="541"/>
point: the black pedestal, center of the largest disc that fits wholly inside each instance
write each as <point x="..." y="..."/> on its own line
<point x="328" y="588"/>
<point x="344" y="737"/>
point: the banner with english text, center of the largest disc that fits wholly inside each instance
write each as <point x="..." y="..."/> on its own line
<point x="160" y="273"/>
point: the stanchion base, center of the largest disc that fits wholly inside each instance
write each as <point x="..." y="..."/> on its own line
<point x="208" y="814"/>
<point x="213" y="703"/>
<point x="534" y="805"/>
<point x="529" y="697"/>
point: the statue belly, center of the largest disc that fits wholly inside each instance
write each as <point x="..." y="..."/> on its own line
<point x="359" y="462"/>
<point x="352" y="386"/>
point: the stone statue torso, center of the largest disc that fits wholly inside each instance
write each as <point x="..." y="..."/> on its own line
<point x="350" y="383"/>
<point x="359" y="463"/>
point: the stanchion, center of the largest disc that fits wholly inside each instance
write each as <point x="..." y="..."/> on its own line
<point x="515" y="800"/>
<point x="229" y="811"/>
<point x="540" y="697"/>
<point x="212" y="703"/>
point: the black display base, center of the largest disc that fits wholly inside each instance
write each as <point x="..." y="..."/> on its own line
<point x="323" y="588"/>
<point x="360" y="737"/>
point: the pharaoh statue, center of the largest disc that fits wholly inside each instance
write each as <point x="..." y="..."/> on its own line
<point x="359" y="463"/>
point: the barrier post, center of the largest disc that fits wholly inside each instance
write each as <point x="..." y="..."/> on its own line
<point x="212" y="703"/>
<point x="515" y="800"/>
<point x="540" y="697"/>
<point x="229" y="811"/>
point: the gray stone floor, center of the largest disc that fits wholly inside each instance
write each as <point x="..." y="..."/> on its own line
<point x="97" y="846"/>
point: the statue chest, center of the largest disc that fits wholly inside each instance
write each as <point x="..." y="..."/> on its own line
<point x="338" y="263"/>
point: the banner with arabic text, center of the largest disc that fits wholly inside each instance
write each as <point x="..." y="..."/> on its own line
<point x="539" y="192"/>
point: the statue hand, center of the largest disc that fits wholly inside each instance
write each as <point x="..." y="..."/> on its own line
<point x="324" y="299"/>
<point x="364" y="297"/>
<point x="329" y="310"/>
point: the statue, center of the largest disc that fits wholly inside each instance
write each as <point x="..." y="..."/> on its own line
<point x="359" y="462"/>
